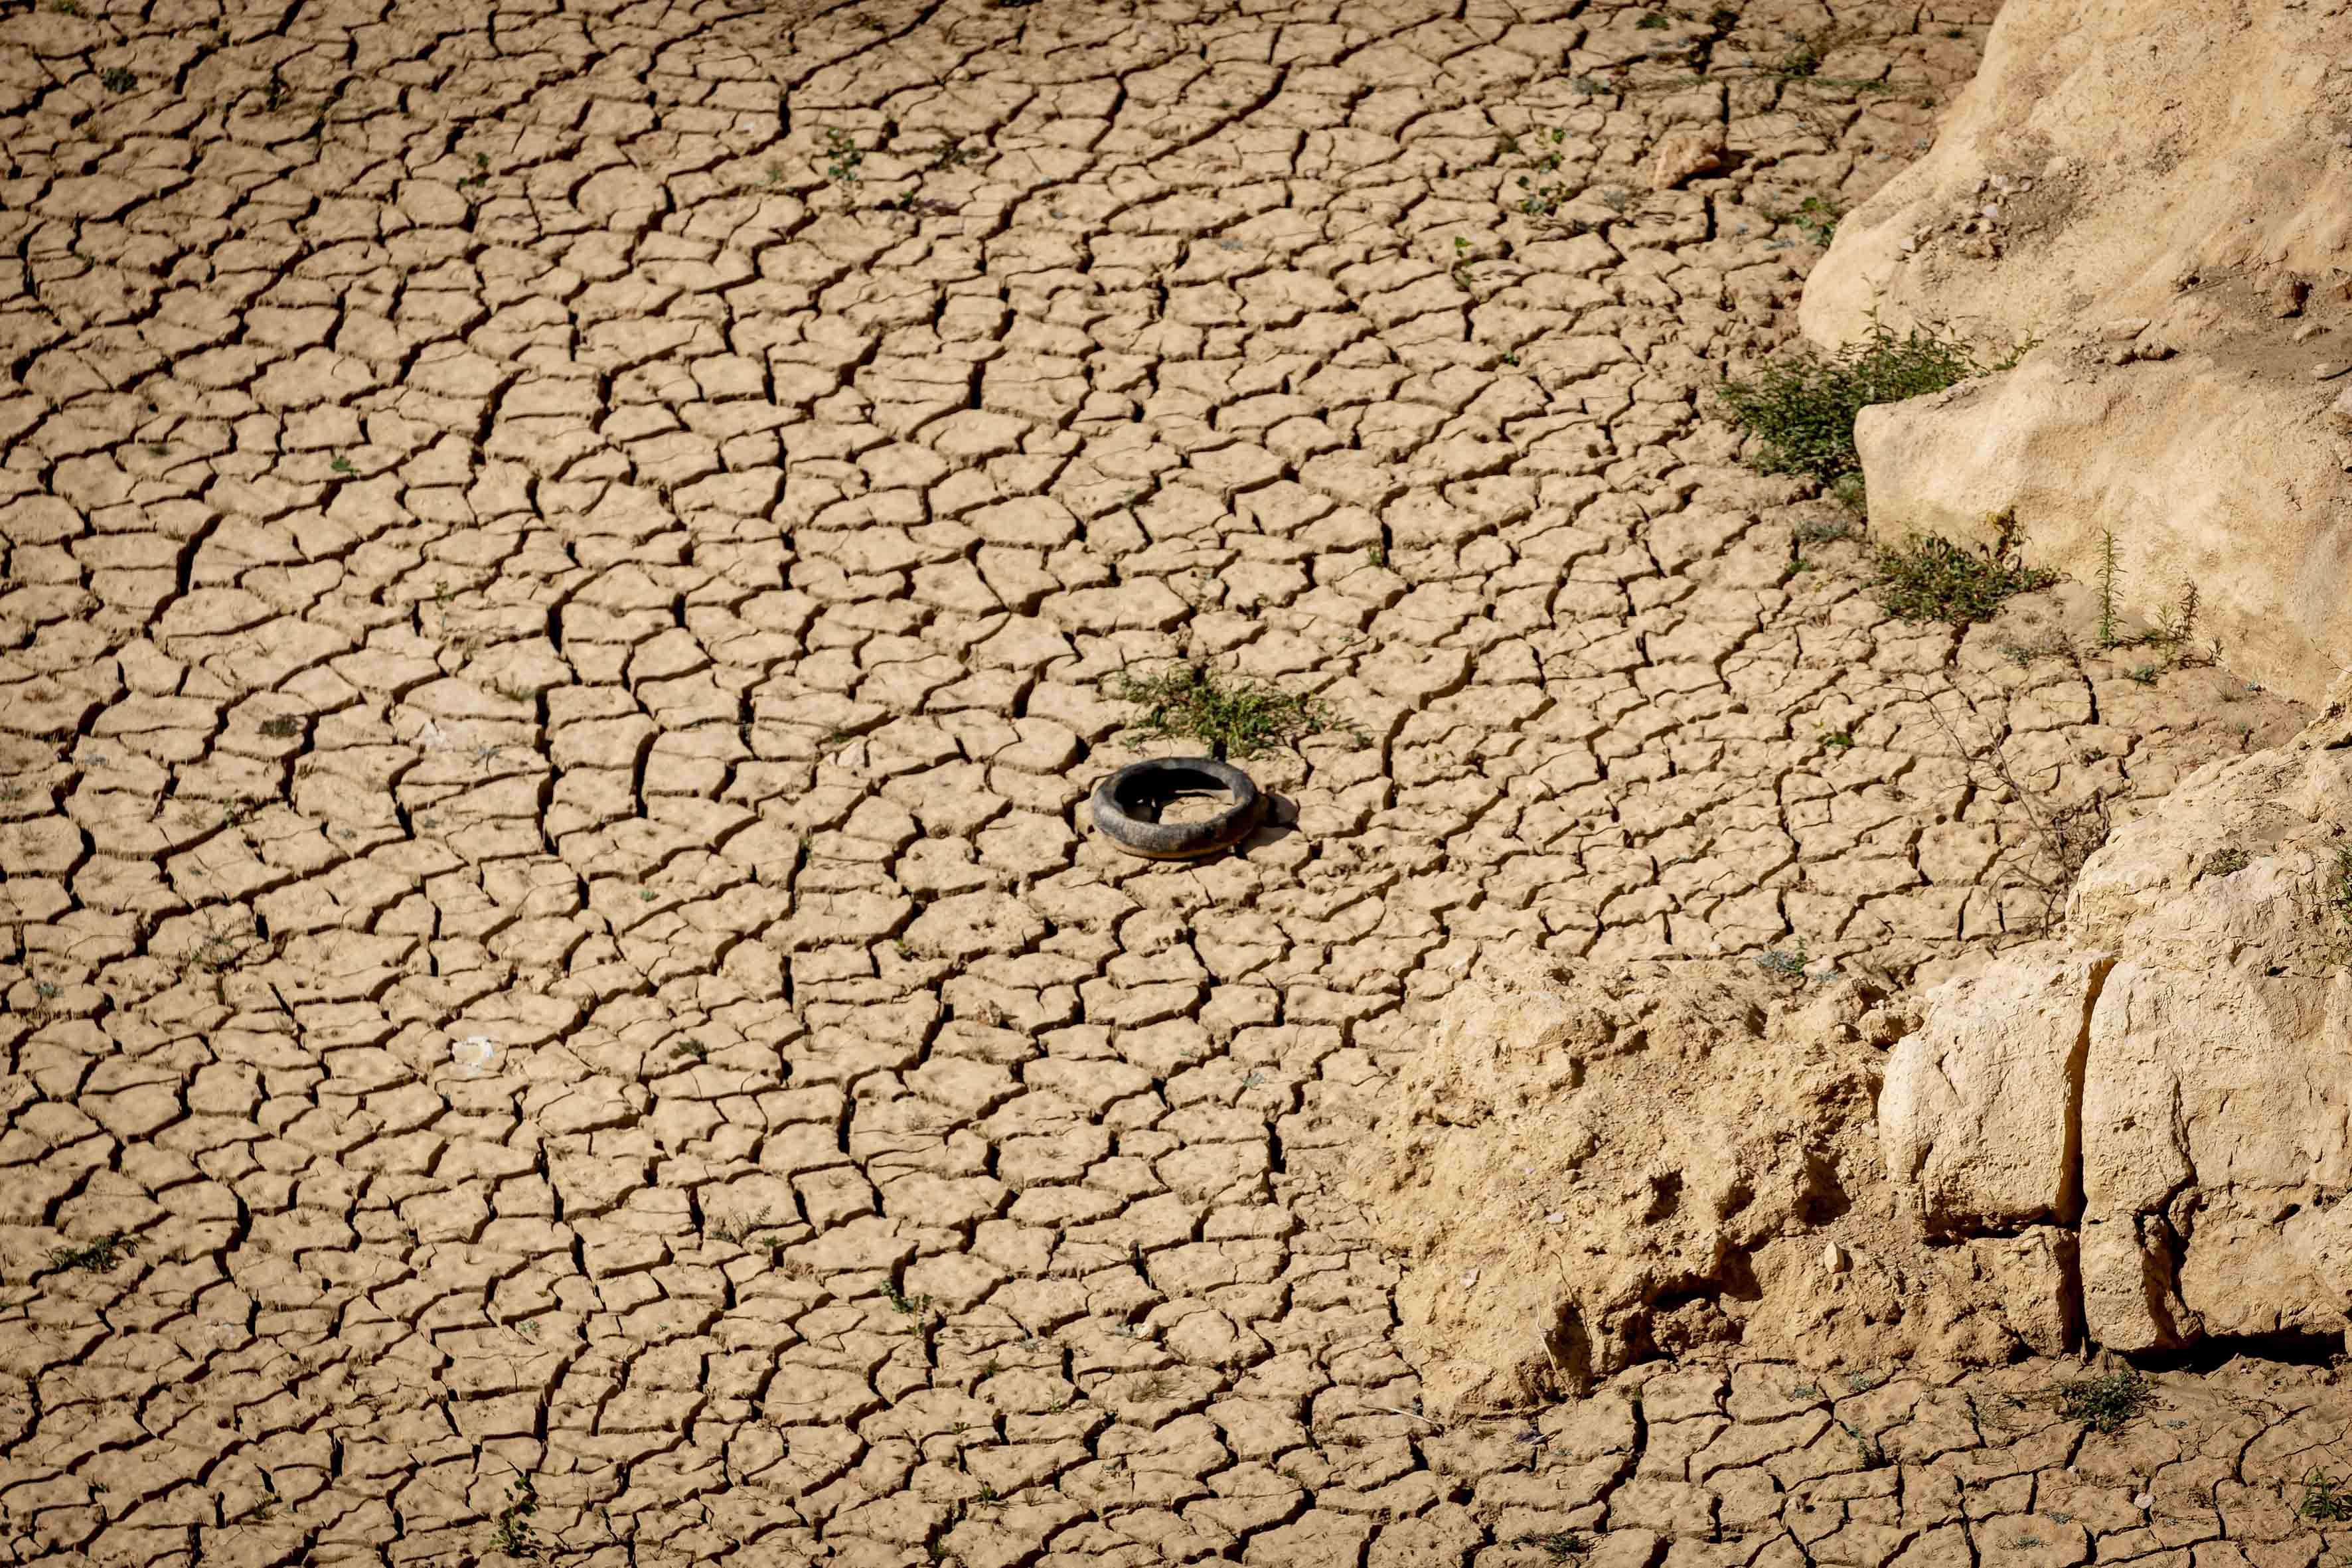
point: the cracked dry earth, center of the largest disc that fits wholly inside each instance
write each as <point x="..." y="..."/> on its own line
<point x="565" y="573"/>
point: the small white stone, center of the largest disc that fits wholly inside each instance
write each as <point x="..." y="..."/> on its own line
<point x="474" y="1053"/>
<point x="1469" y="1280"/>
<point x="2145" y="1501"/>
<point x="1832" y="1259"/>
<point x="1555" y="1219"/>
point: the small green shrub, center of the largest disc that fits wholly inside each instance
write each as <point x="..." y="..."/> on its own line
<point x="1802" y="405"/>
<point x="844" y="157"/>
<point x="1817" y="219"/>
<point x="2338" y="890"/>
<point x="1235" y="718"/>
<point x="99" y="1257"/>
<point x="514" y="1533"/>
<point x="2325" y="1498"/>
<point x="1929" y="579"/>
<point x="117" y="79"/>
<point x="2104" y="1404"/>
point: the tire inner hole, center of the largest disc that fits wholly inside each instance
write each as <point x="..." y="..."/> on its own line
<point x="1174" y="795"/>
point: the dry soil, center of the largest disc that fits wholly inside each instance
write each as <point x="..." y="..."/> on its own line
<point x="566" y="565"/>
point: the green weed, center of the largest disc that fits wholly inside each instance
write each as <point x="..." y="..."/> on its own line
<point x="2325" y="1498"/>
<point x="514" y="1535"/>
<point x="1818" y="216"/>
<point x="1801" y="406"/>
<point x="117" y="79"/>
<point x="2104" y="1404"/>
<point x="1234" y="717"/>
<point x="1866" y="1448"/>
<point x="844" y="157"/>
<point x="101" y="1257"/>
<point x="2224" y="863"/>
<point x="1926" y="578"/>
<point x="2175" y="623"/>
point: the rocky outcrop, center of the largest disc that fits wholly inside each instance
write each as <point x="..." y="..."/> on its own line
<point x="2138" y="1131"/>
<point x="2157" y="194"/>
<point x="2201" y="984"/>
<point x="1979" y="1107"/>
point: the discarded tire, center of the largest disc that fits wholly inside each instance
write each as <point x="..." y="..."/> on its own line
<point x="1126" y="802"/>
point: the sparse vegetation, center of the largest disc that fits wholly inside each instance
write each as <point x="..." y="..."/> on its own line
<point x="1866" y="1448"/>
<point x="1835" y="740"/>
<point x="1816" y="218"/>
<point x="2110" y="572"/>
<point x="2064" y="836"/>
<point x="2325" y="1499"/>
<point x="844" y="158"/>
<point x="99" y="1257"/>
<point x="1786" y="964"/>
<point x="1801" y="406"/>
<point x="2103" y="1404"/>
<point x="1233" y="717"/>
<point x="1826" y="532"/>
<point x="117" y="78"/>
<point x="2224" y="863"/>
<point x="1926" y="578"/>
<point x="2175" y="623"/>
<point x="1144" y="1390"/>
<point x="284" y="726"/>
<point x="515" y="1537"/>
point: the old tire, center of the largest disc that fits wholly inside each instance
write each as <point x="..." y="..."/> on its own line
<point x="1121" y="801"/>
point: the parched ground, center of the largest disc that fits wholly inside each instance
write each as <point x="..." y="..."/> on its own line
<point x="566" y="566"/>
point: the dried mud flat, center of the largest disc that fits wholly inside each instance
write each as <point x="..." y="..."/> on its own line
<point x="566" y="574"/>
